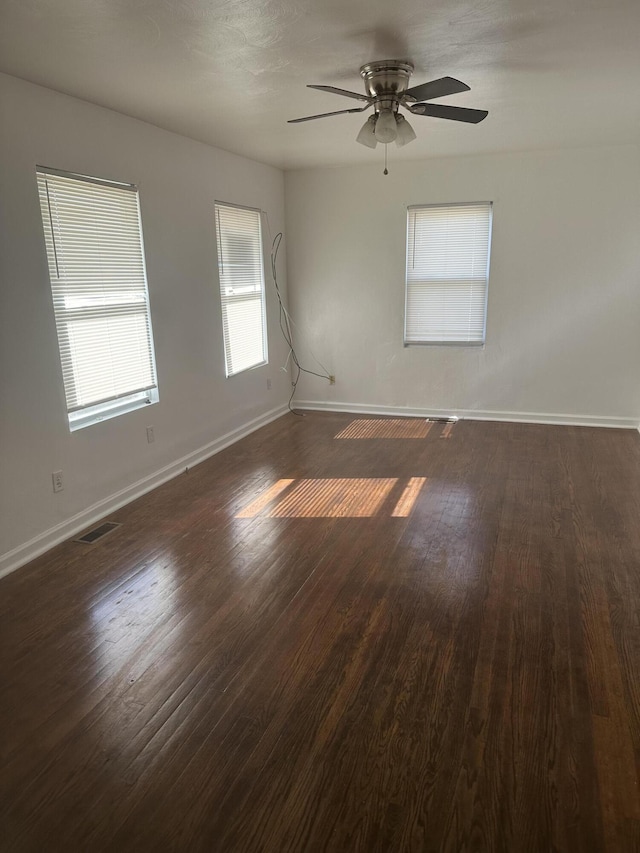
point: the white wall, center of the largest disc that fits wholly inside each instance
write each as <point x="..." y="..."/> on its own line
<point x="178" y="180"/>
<point x="563" y="326"/>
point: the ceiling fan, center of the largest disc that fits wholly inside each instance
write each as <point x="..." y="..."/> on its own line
<point x="386" y="86"/>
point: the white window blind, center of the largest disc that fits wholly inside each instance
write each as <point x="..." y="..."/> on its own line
<point x="240" y="263"/>
<point x="93" y="237"/>
<point x="448" y="249"/>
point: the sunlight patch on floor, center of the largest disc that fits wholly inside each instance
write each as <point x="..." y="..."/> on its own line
<point x="448" y="429"/>
<point x="333" y="498"/>
<point x="409" y="497"/>
<point x="355" y="498"/>
<point x="387" y="428"/>
<point x="256" y="506"/>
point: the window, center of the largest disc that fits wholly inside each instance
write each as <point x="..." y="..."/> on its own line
<point x="93" y="237"/>
<point x="447" y="273"/>
<point x="240" y="262"/>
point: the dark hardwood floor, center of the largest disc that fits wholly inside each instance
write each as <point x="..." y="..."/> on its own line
<point x="426" y="643"/>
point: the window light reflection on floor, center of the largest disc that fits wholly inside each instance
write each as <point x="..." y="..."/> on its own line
<point x="255" y="507"/>
<point x="333" y="498"/>
<point x="409" y="497"/>
<point x="354" y="498"/>
<point x="446" y="432"/>
<point x="387" y="428"/>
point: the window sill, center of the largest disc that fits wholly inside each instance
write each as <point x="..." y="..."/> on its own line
<point x="444" y="343"/>
<point x="246" y="369"/>
<point x="105" y="411"/>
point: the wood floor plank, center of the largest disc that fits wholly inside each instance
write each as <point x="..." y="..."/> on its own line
<point x="462" y="674"/>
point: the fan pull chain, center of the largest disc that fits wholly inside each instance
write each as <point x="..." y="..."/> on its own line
<point x="386" y="171"/>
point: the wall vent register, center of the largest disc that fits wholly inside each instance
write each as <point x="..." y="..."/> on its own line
<point x="97" y="533"/>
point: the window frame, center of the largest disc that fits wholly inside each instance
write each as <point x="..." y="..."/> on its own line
<point x="83" y="415"/>
<point x="453" y="343"/>
<point x="225" y="299"/>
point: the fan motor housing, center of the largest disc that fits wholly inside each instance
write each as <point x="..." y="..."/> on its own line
<point x="386" y="81"/>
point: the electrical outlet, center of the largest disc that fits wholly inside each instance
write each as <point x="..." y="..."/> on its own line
<point x="58" y="484"/>
<point x="150" y="435"/>
<point x="268" y="385"/>
<point x="332" y="380"/>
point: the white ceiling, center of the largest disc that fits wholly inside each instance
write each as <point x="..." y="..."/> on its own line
<point x="552" y="73"/>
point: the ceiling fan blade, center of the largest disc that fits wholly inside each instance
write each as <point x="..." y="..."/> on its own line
<point x="324" y="115"/>
<point x="437" y="89"/>
<point x="453" y="113"/>
<point x="345" y="92"/>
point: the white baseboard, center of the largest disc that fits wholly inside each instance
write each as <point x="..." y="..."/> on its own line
<point x="470" y="414"/>
<point x="16" y="558"/>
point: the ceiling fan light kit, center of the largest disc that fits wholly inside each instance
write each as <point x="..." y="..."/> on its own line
<point x="367" y="135"/>
<point x="405" y="133"/>
<point x="386" y="126"/>
<point x="386" y="92"/>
